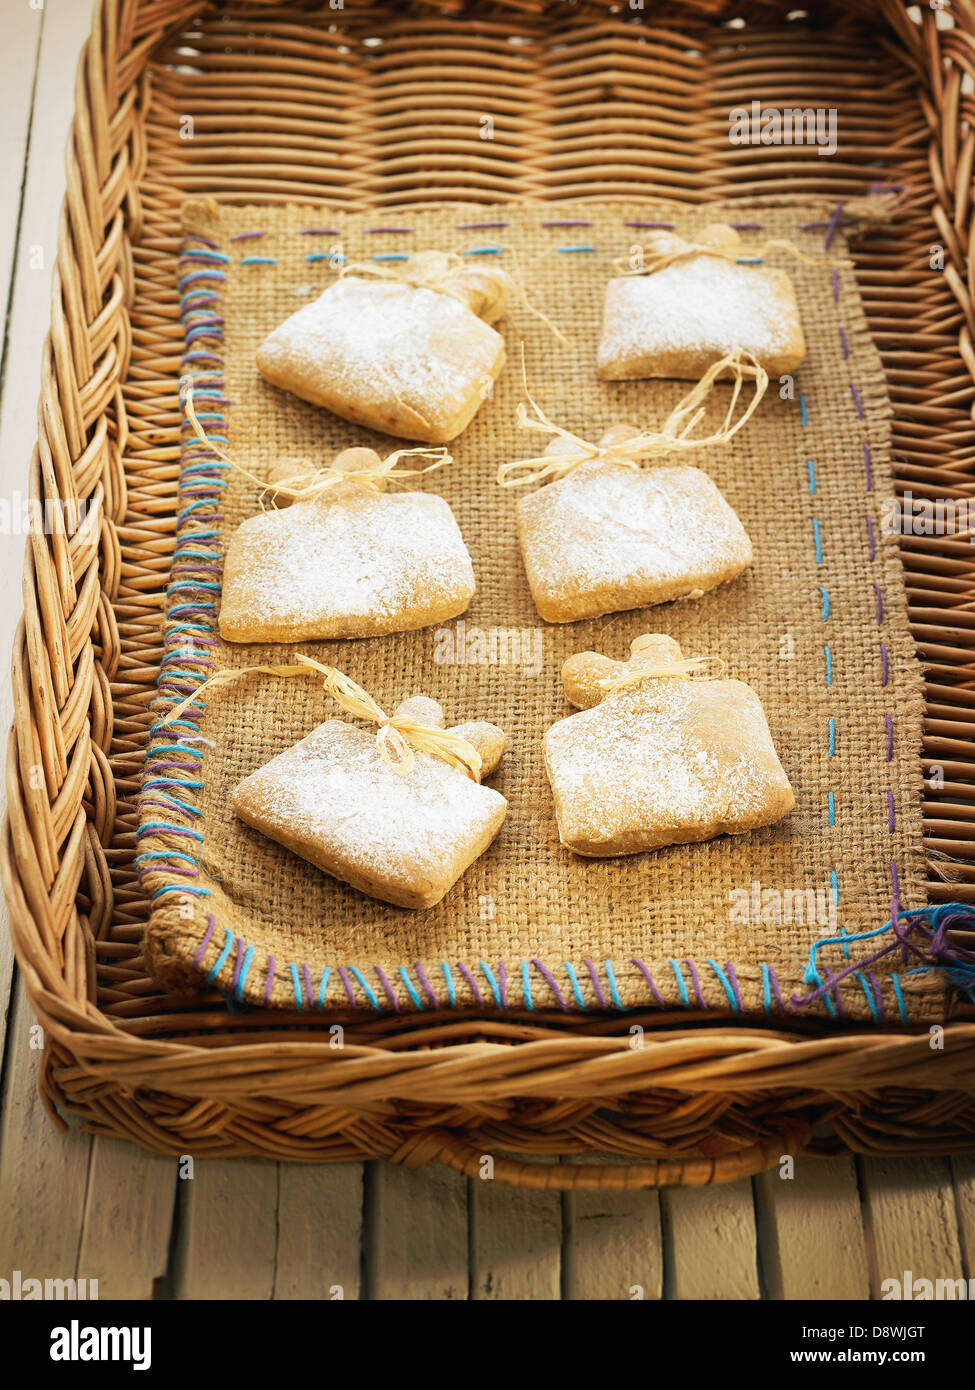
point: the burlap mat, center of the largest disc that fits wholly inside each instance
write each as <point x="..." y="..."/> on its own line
<point x="818" y="626"/>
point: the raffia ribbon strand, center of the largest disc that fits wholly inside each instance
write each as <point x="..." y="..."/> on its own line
<point x="674" y="436"/>
<point x="438" y="271"/>
<point x="398" y="737"/>
<point x="688" y="666"/>
<point x="665" y="248"/>
<point x="309" y="482"/>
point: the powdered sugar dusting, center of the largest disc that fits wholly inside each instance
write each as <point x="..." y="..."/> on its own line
<point x="406" y="359"/>
<point x="608" y="537"/>
<point x="357" y="563"/>
<point x="703" y="308"/>
<point x="332" y="799"/>
<point x="664" y="762"/>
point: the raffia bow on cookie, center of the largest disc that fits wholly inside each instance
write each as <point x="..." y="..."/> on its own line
<point x="308" y="482"/>
<point x="662" y="249"/>
<point x="448" y="273"/>
<point x="398" y="737"/>
<point x="674" y="436"/>
<point x="639" y="671"/>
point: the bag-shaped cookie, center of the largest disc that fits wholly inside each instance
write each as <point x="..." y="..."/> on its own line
<point x="345" y="559"/>
<point x="656" y="757"/>
<point x="398" y="815"/>
<point x="611" y="536"/>
<point x="686" y="303"/>
<point x="604" y="534"/>
<point x="412" y="354"/>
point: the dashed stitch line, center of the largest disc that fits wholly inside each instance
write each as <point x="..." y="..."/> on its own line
<point x="320" y="1000"/>
<point x="551" y="981"/>
<point x="347" y="985"/>
<point x="201" y="952"/>
<point x="575" y="985"/>
<point x="365" y="985"/>
<point x="417" y="1001"/>
<point x="492" y="982"/>
<point x="526" y="988"/>
<point x="296" y="984"/>
<point x="680" y="982"/>
<point x="218" y="965"/>
<point x="696" y="983"/>
<point x="468" y="976"/>
<point x="594" y="976"/>
<point x="611" y="981"/>
<point x="390" y="992"/>
<point x="421" y="976"/>
<point x="644" y="970"/>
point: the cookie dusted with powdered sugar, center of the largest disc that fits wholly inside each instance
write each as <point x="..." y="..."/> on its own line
<point x="656" y="757"/>
<point x="412" y="356"/>
<point x="675" y="319"/>
<point x="352" y="561"/>
<point x="404" y="837"/>
<point x="611" y="536"/>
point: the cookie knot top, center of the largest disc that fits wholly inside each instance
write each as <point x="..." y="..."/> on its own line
<point x="663" y="248"/>
<point x="483" y="290"/>
<point x="590" y="677"/>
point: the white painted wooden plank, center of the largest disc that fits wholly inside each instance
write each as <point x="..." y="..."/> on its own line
<point x="18" y="64"/>
<point x="416" y="1233"/>
<point x="810" y="1231"/>
<point x="43" y="1175"/>
<point x="128" y="1216"/>
<point x="710" y="1243"/>
<point x="65" y="26"/>
<point x="516" y="1238"/>
<point x="227" y="1230"/>
<point x="910" y="1220"/>
<point x="613" y="1243"/>
<point x="319" y="1238"/>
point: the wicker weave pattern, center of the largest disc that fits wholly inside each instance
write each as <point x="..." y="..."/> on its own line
<point x="288" y="103"/>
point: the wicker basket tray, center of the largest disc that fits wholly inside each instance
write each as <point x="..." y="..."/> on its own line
<point x="363" y="107"/>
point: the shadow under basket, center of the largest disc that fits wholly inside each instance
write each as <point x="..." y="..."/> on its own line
<point x="372" y="108"/>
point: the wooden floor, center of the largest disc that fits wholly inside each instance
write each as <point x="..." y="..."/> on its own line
<point x="97" y="1208"/>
